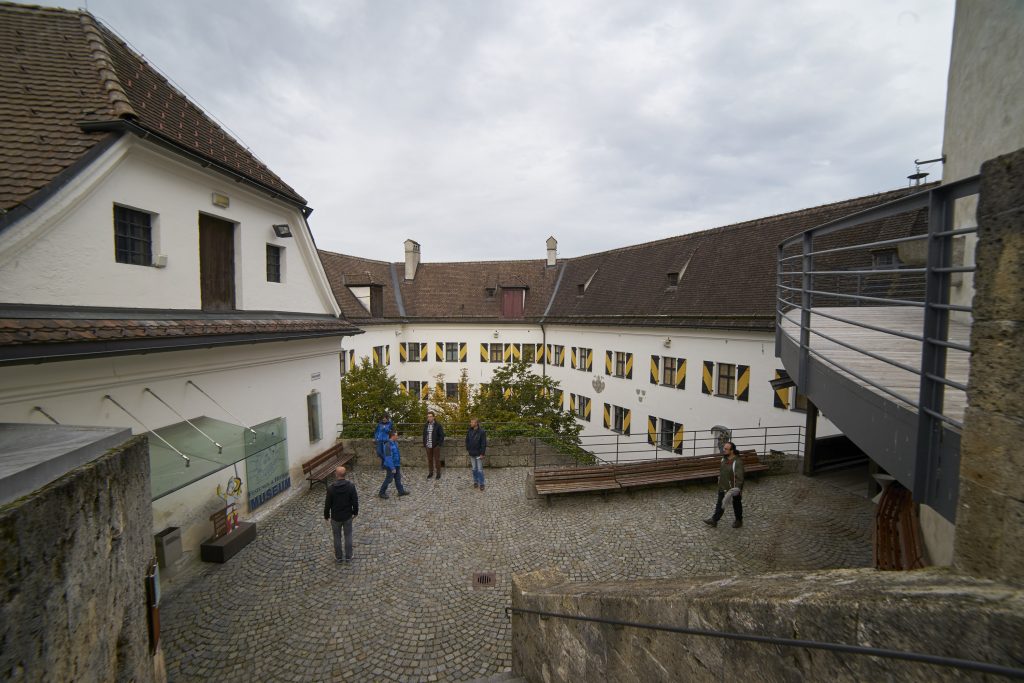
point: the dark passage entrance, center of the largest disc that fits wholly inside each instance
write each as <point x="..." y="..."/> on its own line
<point x="217" y="263"/>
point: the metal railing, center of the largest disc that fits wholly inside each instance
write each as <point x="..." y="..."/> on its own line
<point x="835" y="266"/>
<point x="917" y="657"/>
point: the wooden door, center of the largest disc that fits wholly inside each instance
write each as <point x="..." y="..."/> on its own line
<point x="217" y="263"/>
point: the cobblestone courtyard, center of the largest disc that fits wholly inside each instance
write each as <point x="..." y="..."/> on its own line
<point x="405" y="609"/>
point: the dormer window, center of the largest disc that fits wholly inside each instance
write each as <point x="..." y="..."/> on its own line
<point x="673" y="279"/>
<point x="489" y="292"/>
<point x="513" y="302"/>
<point x="580" y="289"/>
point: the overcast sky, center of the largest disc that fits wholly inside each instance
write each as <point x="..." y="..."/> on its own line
<point x="478" y="127"/>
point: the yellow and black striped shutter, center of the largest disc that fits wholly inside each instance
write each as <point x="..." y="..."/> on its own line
<point x="781" y="397"/>
<point x="607" y="416"/>
<point x="484" y="356"/>
<point x="517" y="351"/>
<point x="352" y="358"/>
<point x="507" y="392"/>
<point x="742" y="382"/>
<point x="572" y="403"/>
<point x="404" y="386"/>
<point x="439" y="390"/>
<point x="376" y="355"/>
<point x="629" y="366"/>
<point x="652" y="430"/>
<point x="547" y="354"/>
<point x="573" y="358"/>
<point x="561" y="358"/>
<point x="540" y="353"/>
<point x="463" y="352"/>
<point x="626" y="419"/>
<point x="506" y="352"/>
<point x="655" y="360"/>
<point x="590" y="360"/>
<point x="559" y="398"/>
<point x="708" y="377"/>
<point x="680" y="373"/>
<point x="586" y="409"/>
<point x="424" y="389"/>
<point x="607" y="362"/>
<point x="424" y="352"/>
<point x="677" y="439"/>
<point x="403" y="352"/>
<point x="387" y="354"/>
<point x="439" y="352"/>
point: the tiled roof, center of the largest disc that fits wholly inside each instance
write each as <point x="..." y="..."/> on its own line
<point x="60" y="68"/>
<point x="727" y="276"/>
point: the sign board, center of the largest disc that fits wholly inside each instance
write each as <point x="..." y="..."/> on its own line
<point x="267" y="474"/>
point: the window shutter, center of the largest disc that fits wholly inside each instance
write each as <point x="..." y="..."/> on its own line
<point x="680" y="373"/>
<point x="439" y="352"/>
<point x="507" y="392"/>
<point x="781" y="397"/>
<point x="677" y="439"/>
<point x="352" y="358"/>
<point x="404" y="386"/>
<point x="655" y="369"/>
<point x="607" y="416"/>
<point x="559" y="398"/>
<point x="517" y="352"/>
<point x="376" y="355"/>
<point x="625" y="421"/>
<point x="403" y="352"/>
<point x="561" y="358"/>
<point x="709" y="376"/>
<point x="387" y="354"/>
<point x="424" y="352"/>
<point x="484" y="356"/>
<point x="652" y="430"/>
<point x="590" y="360"/>
<point x="547" y="354"/>
<point x="629" y="366"/>
<point x="572" y="358"/>
<point x="540" y="353"/>
<point x="586" y="410"/>
<point x="743" y="383"/>
<point x="463" y="352"/>
<point x="572" y="403"/>
<point x="607" y="362"/>
<point x="506" y="352"/>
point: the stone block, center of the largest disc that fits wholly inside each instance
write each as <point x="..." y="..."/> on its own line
<point x="991" y="453"/>
<point x="979" y="529"/>
<point x="1011" y="560"/>
<point x="997" y="367"/>
<point x="1002" y="184"/>
<point x="999" y="258"/>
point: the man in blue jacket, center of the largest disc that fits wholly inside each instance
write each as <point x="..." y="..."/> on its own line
<point x="476" y="446"/>
<point x="393" y="464"/>
<point x="381" y="435"/>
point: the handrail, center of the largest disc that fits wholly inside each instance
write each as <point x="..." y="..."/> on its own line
<point x="919" y="657"/>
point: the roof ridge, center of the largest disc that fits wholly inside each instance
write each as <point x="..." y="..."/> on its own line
<point x="119" y="102"/>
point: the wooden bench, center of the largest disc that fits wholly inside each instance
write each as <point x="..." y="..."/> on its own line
<point x="555" y="480"/>
<point x="321" y="468"/>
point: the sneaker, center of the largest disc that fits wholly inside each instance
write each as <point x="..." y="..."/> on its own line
<point x="711" y="521"/>
<point x="383" y="495"/>
<point x="338" y="560"/>
<point x="481" y="487"/>
<point x="737" y="524"/>
<point x="404" y="493"/>
<point x="476" y="485"/>
<point x="430" y="476"/>
<point x="439" y="476"/>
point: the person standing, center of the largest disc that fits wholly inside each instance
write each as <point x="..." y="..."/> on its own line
<point x="393" y="464"/>
<point x="433" y="437"/>
<point x="341" y="506"/>
<point x="476" y="446"/>
<point x="381" y="434"/>
<point x="730" y="486"/>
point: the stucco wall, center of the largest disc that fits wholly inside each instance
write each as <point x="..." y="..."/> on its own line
<point x="74" y="557"/>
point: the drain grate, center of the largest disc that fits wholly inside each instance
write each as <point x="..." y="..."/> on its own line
<point x="484" y="580"/>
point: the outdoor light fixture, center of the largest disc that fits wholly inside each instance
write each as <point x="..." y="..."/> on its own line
<point x="282" y="230"/>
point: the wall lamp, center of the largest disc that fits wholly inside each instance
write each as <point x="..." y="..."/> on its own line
<point x="282" y="230"/>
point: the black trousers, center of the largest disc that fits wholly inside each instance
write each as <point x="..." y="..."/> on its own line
<point x="737" y="506"/>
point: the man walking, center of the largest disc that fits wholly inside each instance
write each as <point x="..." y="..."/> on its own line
<point x="730" y="486"/>
<point x="381" y="434"/>
<point x="341" y="506"/>
<point x="476" y="446"/>
<point x="393" y="464"/>
<point x="433" y="437"/>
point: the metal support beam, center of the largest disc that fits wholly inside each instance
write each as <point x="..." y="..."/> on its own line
<point x="810" y="435"/>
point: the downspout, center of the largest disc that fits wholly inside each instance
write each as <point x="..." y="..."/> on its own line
<point x="543" y="317"/>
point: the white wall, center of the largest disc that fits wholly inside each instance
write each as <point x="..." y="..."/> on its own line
<point x="63" y="254"/>
<point x="256" y="382"/>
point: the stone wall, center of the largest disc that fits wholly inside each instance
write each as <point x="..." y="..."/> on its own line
<point x="74" y="556"/>
<point x="516" y="452"/>
<point x="990" y="518"/>
<point x="929" y="611"/>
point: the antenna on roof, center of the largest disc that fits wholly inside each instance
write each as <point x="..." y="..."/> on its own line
<point x="918" y="175"/>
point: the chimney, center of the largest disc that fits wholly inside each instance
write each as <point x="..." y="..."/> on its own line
<point x="552" y="249"/>
<point x="412" y="258"/>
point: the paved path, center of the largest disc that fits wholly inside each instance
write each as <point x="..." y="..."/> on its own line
<point x="405" y="609"/>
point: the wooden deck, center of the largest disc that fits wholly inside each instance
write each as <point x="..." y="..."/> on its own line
<point x="905" y="319"/>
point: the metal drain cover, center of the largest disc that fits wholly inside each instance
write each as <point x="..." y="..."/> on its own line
<point x="484" y="580"/>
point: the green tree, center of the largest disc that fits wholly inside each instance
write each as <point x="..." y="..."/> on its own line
<point x="367" y="391"/>
<point x="526" y="403"/>
<point x="452" y="411"/>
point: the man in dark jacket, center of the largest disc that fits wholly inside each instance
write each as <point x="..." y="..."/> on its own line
<point x="341" y="506"/>
<point x="730" y="486"/>
<point x="433" y="437"/>
<point x="476" y="446"/>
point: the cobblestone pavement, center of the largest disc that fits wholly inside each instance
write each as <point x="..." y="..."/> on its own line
<point x="405" y="609"/>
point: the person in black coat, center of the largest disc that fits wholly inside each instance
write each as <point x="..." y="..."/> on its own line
<point x="476" y="446"/>
<point x="433" y="437"/>
<point x="341" y="506"/>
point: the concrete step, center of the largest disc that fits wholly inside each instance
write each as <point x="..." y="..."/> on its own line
<point x="504" y="677"/>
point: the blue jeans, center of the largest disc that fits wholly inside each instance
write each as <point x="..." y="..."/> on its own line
<point x="380" y="452"/>
<point x="337" y="527"/>
<point x="478" y="470"/>
<point x="397" y="476"/>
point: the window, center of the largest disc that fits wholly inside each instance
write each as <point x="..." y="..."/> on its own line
<point x="513" y="302"/>
<point x="420" y="390"/>
<point x="668" y="371"/>
<point x="726" y="380"/>
<point x="274" y="263"/>
<point x="580" y="289"/>
<point x="586" y="359"/>
<point x="619" y="423"/>
<point x="489" y="292"/>
<point x="884" y="260"/>
<point x="673" y="279"/>
<point x="496" y="353"/>
<point x="313" y="415"/>
<point x="451" y="390"/>
<point x="133" y="236"/>
<point x="669" y="434"/>
<point x="582" y="409"/>
<point x="451" y="352"/>
<point x="344" y="364"/>
<point x="377" y="301"/>
<point x="559" y="356"/>
<point x="378" y="356"/>
<point x="530" y="353"/>
<point x="620" y="364"/>
<point x="414" y="352"/>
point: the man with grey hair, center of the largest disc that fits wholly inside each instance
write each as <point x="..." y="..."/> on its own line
<point x="341" y="506"/>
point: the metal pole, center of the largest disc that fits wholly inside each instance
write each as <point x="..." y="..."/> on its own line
<point x="810" y="435"/>
<point x="188" y="460"/>
<point x="805" y="310"/>
<point x="220" y="449"/>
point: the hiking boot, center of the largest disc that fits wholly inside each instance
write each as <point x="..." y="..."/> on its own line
<point x="737" y="524"/>
<point x="404" y="493"/>
<point x="430" y="476"/>
<point x="476" y="485"/>
<point x="383" y="495"/>
<point x="711" y="521"/>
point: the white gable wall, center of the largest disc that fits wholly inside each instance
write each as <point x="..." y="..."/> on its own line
<point x="63" y="254"/>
